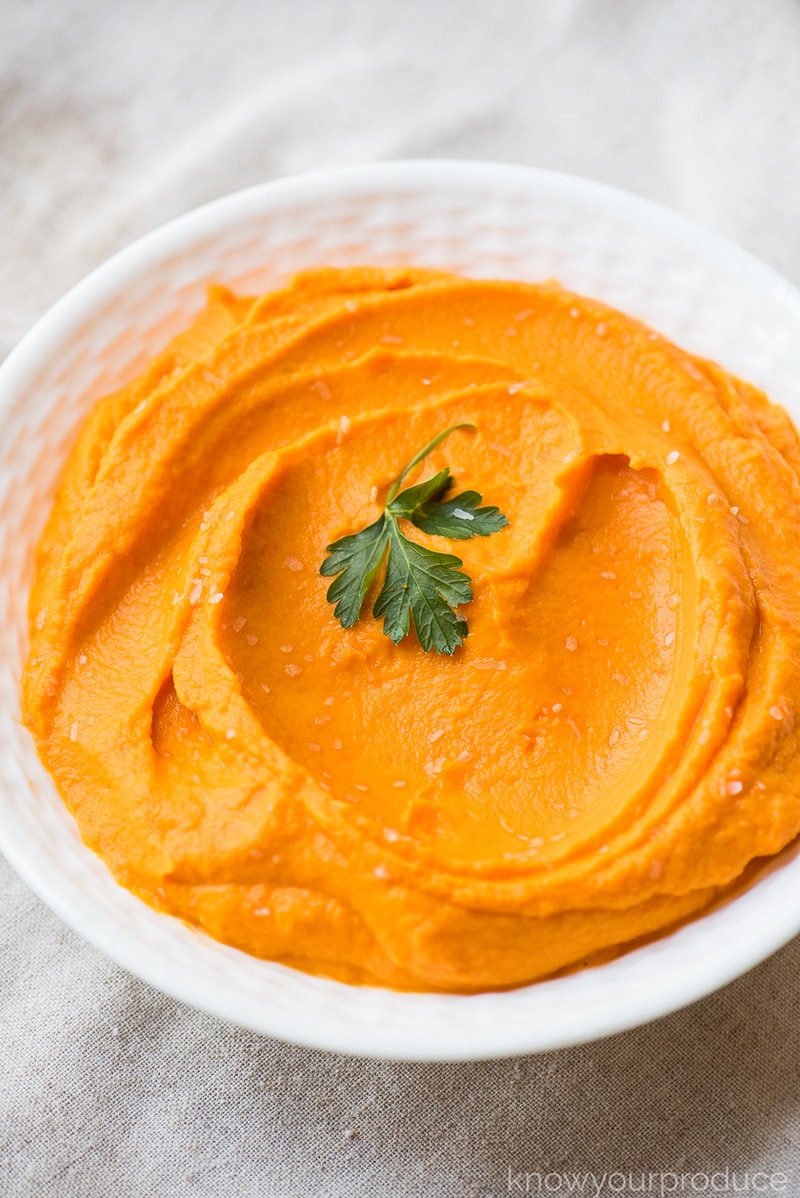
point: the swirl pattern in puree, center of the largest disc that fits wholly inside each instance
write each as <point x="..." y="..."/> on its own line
<point x="612" y="746"/>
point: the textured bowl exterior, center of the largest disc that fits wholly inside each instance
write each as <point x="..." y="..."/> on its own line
<point x="476" y="219"/>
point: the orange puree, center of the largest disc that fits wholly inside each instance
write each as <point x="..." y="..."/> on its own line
<point x="612" y="745"/>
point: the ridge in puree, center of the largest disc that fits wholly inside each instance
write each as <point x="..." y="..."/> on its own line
<point x="613" y="744"/>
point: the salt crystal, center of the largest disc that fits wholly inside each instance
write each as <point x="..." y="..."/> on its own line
<point x="252" y="639"/>
<point x="344" y="429"/>
<point x="40" y="619"/>
<point x="571" y="643"/>
<point x="293" y="563"/>
<point x="196" y="591"/>
<point x="665" y="425"/>
<point x="337" y="744"/>
<point x="734" y="787"/>
<point x="239" y="623"/>
<point x="313" y="746"/>
<point x="229" y="735"/>
<point x="286" y="648"/>
<point x="398" y="783"/>
<point x="669" y="639"/>
<point x="217" y="597"/>
<point x="73" y="732"/>
<point x="390" y="834"/>
<point x="609" y="574"/>
<point x="776" y="712"/>
<point x="293" y="671"/>
<point x="672" y="457"/>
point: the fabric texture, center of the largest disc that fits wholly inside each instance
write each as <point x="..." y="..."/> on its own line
<point x="116" y="117"/>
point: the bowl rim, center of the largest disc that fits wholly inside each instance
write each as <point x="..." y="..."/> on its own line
<point x="735" y="955"/>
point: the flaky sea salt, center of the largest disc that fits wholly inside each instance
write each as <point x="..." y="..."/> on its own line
<point x="344" y="428"/>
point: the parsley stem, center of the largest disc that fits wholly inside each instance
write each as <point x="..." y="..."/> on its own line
<point x="418" y="457"/>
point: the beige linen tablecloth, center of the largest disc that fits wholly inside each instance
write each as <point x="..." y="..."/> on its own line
<point x="117" y="116"/>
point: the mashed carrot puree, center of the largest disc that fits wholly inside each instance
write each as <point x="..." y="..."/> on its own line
<point x="612" y="745"/>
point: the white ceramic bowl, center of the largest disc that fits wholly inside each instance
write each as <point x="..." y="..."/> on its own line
<point x="477" y="219"/>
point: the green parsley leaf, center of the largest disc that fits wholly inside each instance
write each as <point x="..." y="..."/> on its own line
<point x="408" y="502"/>
<point x="459" y="518"/>
<point x="420" y="584"/>
<point x="427" y="586"/>
<point x="356" y="560"/>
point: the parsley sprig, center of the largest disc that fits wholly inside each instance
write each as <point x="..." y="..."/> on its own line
<point x="420" y="584"/>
